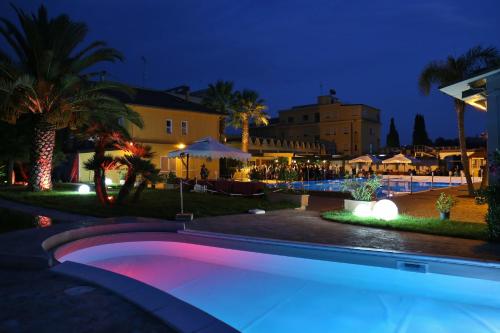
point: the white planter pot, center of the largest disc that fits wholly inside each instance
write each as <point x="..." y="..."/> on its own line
<point x="350" y="205"/>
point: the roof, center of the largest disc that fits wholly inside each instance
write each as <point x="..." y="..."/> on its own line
<point x="161" y="99"/>
<point x="317" y="104"/>
<point x="471" y="90"/>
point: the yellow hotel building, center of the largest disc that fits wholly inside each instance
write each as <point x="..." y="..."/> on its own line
<point x="170" y="122"/>
<point x="351" y="129"/>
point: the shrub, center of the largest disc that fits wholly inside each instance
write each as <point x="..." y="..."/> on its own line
<point x="171" y="178"/>
<point x="362" y="191"/>
<point x="444" y="203"/>
<point x="492" y="194"/>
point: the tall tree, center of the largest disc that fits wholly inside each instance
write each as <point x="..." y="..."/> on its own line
<point x="220" y="97"/>
<point x="247" y="107"/>
<point x="420" y="137"/>
<point x="451" y="70"/>
<point x="49" y="78"/>
<point x="392" y="140"/>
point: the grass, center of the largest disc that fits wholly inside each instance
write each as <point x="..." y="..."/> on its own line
<point x="432" y="226"/>
<point x="154" y="203"/>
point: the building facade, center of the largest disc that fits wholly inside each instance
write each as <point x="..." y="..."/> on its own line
<point x="170" y="123"/>
<point x="346" y="129"/>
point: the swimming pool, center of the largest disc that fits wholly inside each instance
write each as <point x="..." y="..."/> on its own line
<point x="388" y="186"/>
<point x="297" y="290"/>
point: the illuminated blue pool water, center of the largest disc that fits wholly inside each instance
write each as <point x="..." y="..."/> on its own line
<point x="336" y="186"/>
<point x="258" y="292"/>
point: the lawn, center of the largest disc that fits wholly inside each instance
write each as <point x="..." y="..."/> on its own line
<point x="417" y="224"/>
<point x="154" y="203"/>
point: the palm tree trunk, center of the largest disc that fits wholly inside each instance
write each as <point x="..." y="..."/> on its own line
<point x="100" y="186"/>
<point x="42" y="150"/>
<point x="100" y="173"/>
<point x="460" y="109"/>
<point x="142" y="186"/>
<point x="126" y="188"/>
<point x="244" y="135"/>
<point x="11" y="175"/>
<point x="222" y="129"/>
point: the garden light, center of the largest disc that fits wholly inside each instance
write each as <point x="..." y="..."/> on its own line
<point x="362" y="210"/>
<point x="108" y="181"/>
<point x="385" y="210"/>
<point x="84" y="189"/>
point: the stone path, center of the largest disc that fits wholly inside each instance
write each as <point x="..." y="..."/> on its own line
<point x="33" y="299"/>
<point x="39" y="301"/>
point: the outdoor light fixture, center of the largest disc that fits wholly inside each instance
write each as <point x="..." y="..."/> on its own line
<point x="181" y="146"/>
<point x="83" y="189"/>
<point x="362" y="210"/>
<point x="385" y="210"/>
<point x="108" y="181"/>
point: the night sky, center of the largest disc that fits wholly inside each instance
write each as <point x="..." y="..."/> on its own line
<point x="371" y="52"/>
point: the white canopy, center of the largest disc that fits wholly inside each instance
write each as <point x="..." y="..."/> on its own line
<point x="210" y="148"/>
<point x="400" y="159"/>
<point x="368" y="159"/>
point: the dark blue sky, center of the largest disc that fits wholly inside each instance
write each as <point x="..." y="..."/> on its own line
<point x="371" y="52"/>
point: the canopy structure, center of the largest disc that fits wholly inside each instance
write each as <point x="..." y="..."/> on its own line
<point x="400" y="159"/>
<point x="210" y="148"/>
<point x="367" y="159"/>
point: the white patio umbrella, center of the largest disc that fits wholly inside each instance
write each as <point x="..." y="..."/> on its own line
<point x="368" y="159"/>
<point x="400" y="159"/>
<point x="208" y="148"/>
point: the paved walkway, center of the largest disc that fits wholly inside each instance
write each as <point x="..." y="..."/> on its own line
<point x="33" y="299"/>
<point x="308" y="226"/>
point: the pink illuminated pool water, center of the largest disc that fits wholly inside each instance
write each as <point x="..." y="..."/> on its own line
<point x="259" y="292"/>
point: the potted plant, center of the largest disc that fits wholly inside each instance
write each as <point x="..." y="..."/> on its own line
<point x="444" y="204"/>
<point x="362" y="192"/>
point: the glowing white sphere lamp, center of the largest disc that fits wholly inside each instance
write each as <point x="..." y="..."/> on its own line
<point x="362" y="210"/>
<point x="83" y="189"/>
<point x="385" y="210"/>
<point x="108" y="181"/>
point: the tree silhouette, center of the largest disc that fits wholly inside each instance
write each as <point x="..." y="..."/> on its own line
<point x="393" y="136"/>
<point x="420" y="137"/>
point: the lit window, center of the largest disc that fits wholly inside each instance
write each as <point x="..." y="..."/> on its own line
<point x="184" y="127"/>
<point x="168" y="126"/>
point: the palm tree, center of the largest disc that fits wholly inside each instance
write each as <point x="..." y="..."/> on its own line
<point x="247" y="107"/>
<point x="136" y="159"/>
<point x="451" y="70"/>
<point x="49" y="79"/>
<point x="106" y="130"/>
<point x="99" y="165"/>
<point x="219" y="97"/>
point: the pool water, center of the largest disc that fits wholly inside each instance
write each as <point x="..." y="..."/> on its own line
<point x="337" y="186"/>
<point x="11" y="220"/>
<point x="258" y="292"/>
